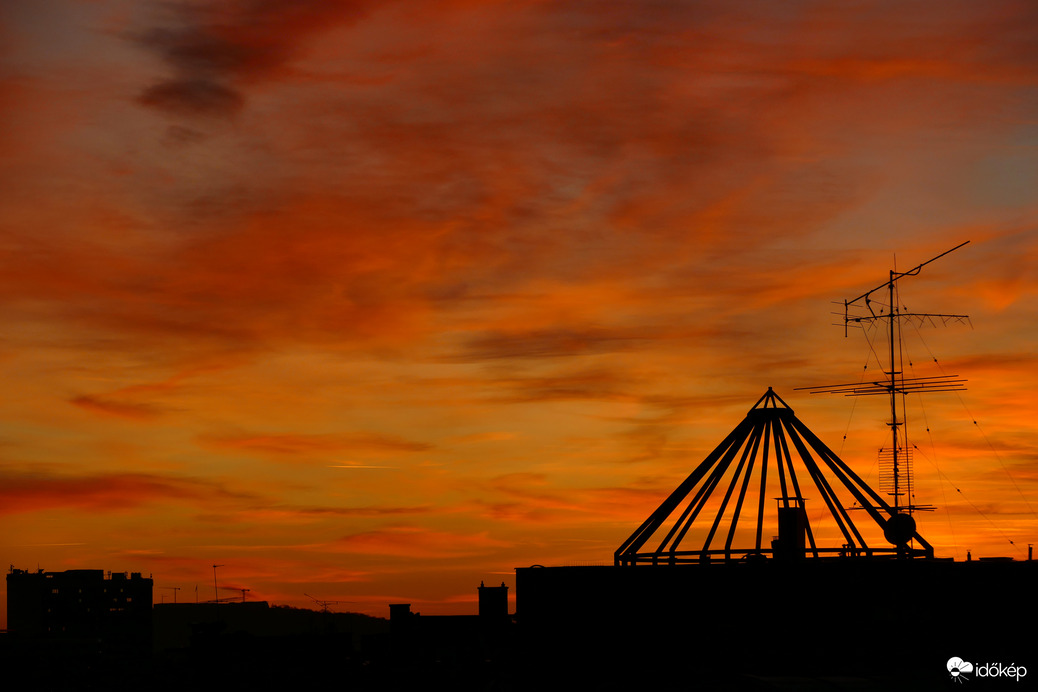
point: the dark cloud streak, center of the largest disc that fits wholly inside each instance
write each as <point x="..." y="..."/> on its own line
<point x="193" y="97"/>
<point x="213" y="50"/>
<point x="105" y="492"/>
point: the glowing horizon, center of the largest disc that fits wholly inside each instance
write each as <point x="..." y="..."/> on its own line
<point x="376" y="301"/>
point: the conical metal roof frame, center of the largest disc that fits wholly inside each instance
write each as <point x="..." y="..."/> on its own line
<point x="767" y="431"/>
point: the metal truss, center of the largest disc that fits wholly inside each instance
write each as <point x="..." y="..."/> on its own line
<point x="771" y="444"/>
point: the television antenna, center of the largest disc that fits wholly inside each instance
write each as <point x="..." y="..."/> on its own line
<point x="216" y="589"/>
<point x="323" y="604"/>
<point x="895" y="463"/>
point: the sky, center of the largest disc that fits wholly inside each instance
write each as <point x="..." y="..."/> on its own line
<point x="374" y="301"/>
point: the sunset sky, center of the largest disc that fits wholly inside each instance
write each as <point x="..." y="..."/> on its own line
<point x="378" y="300"/>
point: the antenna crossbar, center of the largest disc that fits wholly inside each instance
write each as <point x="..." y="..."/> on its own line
<point x="894" y="276"/>
<point x="908" y="385"/>
<point x="919" y="318"/>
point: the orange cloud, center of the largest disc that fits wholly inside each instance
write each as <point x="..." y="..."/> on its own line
<point x="417" y="542"/>
<point x="120" y="409"/>
<point x="291" y="445"/>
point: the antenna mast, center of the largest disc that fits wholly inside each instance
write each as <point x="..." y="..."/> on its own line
<point x="897" y="460"/>
<point x="216" y="589"/>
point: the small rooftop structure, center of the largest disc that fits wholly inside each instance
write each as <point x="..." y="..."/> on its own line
<point x="748" y="501"/>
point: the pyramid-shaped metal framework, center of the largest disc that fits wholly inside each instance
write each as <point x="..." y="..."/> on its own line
<point x="761" y="457"/>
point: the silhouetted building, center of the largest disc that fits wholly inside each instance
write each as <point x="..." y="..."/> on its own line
<point x="81" y="608"/>
<point x="468" y="650"/>
<point x="253" y="645"/>
<point x="493" y="604"/>
<point x="180" y="625"/>
<point x="691" y="583"/>
<point x="78" y="602"/>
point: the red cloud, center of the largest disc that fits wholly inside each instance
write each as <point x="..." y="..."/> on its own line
<point x="25" y="492"/>
<point x="213" y="49"/>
